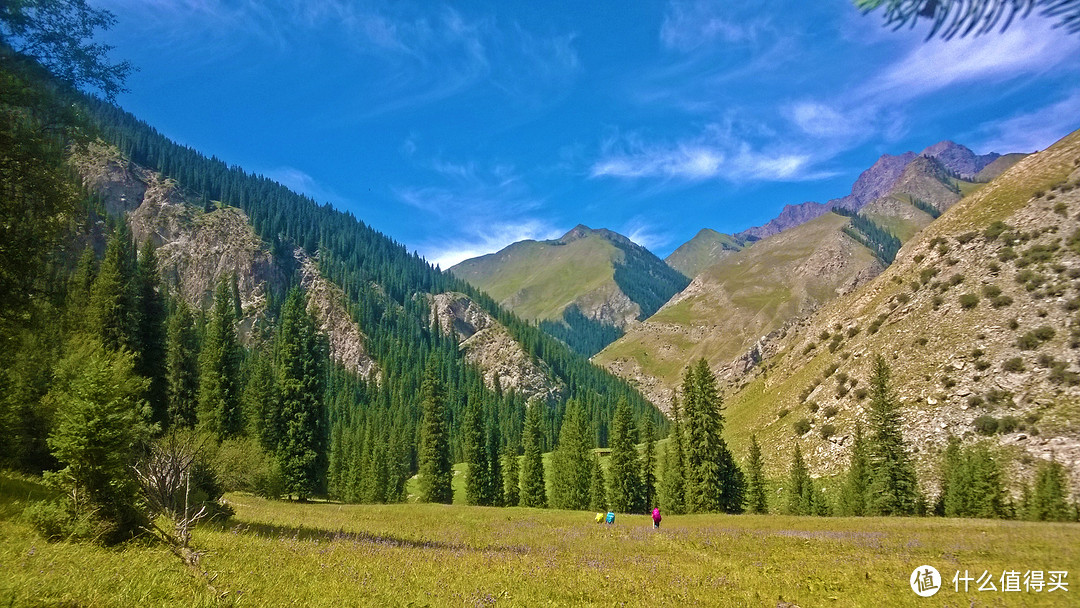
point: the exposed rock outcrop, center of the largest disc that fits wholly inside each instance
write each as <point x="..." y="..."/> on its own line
<point x="326" y="301"/>
<point x="489" y="346"/>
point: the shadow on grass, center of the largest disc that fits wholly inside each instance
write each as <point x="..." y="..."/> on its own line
<point x="300" y="533"/>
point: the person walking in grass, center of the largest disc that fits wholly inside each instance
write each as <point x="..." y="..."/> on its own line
<point x="656" y="518"/>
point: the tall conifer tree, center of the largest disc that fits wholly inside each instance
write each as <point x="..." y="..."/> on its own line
<point x="571" y="463"/>
<point x="648" y="464"/>
<point x="598" y="500"/>
<point x="854" y="494"/>
<point x="476" y="480"/>
<point x="624" y="472"/>
<point x="756" y="492"/>
<point x="673" y="482"/>
<point x="219" y="369"/>
<point x="511" y="478"/>
<point x="182" y="367"/>
<point x="436" y="470"/>
<point x="151" y="323"/>
<point x="533" y="489"/>
<point x="893" y="487"/>
<point x="113" y="299"/>
<point x="301" y="373"/>
<point x="714" y="482"/>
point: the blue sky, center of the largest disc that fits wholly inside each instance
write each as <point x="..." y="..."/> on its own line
<point x="457" y="129"/>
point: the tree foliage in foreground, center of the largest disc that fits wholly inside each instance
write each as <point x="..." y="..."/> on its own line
<point x="950" y="18"/>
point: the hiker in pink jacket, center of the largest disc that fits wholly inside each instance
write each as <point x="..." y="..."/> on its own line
<point x="656" y="518"/>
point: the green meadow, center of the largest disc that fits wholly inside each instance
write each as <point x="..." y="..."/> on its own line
<point x="323" y="554"/>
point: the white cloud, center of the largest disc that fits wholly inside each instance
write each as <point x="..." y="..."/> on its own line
<point x="482" y="239"/>
<point x="691" y="25"/>
<point x="1035" y="130"/>
<point x="714" y="154"/>
<point x="1029" y="46"/>
<point x="645" y="233"/>
<point x="299" y="181"/>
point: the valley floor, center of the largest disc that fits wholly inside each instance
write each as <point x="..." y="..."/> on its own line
<point x="319" y="554"/>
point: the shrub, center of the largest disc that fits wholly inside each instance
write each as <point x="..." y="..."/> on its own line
<point x="969" y="300"/>
<point x="947" y="382"/>
<point x="1061" y="208"/>
<point x="783" y="412"/>
<point x="802" y="427"/>
<point x="995" y="229"/>
<point x="993" y="267"/>
<point x="974" y="401"/>
<point x="921" y="341"/>
<point x="853" y="331"/>
<point x="1014" y="324"/>
<point x="831" y="411"/>
<point x="827" y="430"/>
<point x="824" y="335"/>
<point x="1001" y="301"/>
<point x="937" y="301"/>
<point x="809" y="347"/>
<point x="986" y="425"/>
<point x="1060" y="375"/>
<point x="861" y="394"/>
<point x="967" y="237"/>
<point x="1007" y="254"/>
<point x="1007" y="424"/>
<point x="982" y="365"/>
<point x="1016" y="364"/>
<point x="991" y="291"/>
<point x="812" y="406"/>
<point x="831" y="369"/>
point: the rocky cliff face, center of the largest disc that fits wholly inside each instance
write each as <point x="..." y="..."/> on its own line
<point x="196" y="249"/>
<point x="790" y="216"/>
<point x="959" y="159"/>
<point x="489" y="346"/>
<point x="326" y="301"/>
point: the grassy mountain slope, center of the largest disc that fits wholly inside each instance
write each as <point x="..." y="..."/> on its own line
<point x="736" y="301"/>
<point x="584" y="287"/>
<point x="705" y="249"/>
<point x="979" y="326"/>
<point x="539" y="279"/>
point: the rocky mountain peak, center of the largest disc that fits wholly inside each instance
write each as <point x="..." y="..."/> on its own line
<point x="958" y="158"/>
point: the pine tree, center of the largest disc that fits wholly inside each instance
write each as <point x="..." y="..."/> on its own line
<point x="597" y="487"/>
<point x="182" y="367"/>
<point x="436" y="470"/>
<point x="893" y="487"/>
<point x="101" y="421"/>
<point x="648" y="465"/>
<point x="476" y="476"/>
<point x="571" y="462"/>
<point x="511" y="486"/>
<point x="493" y="492"/>
<point x="713" y="480"/>
<point x="533" y="490"/>
<point x="262" y="404"/>
<point x="673" y="484"/>
<point x="113" y="298"/>
<point x="151" y="321"/>
<point x="219" y="369"/>
<point x="756" y="491"/>
<point x="624" y="473"/>
<point x="1047" y="501"/>
<point x="800" y="490"/>
<point x="854" y="494"/>
<point x="301" y="452"/>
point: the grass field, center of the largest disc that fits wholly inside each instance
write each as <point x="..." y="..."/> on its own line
<point x="320" y="554"/>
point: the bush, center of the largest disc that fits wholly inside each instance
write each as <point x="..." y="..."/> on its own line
<point x="974" y="401"/>
<point x="802" y="427"/>
<point x="783" y="412"/>
<point x="1007" y="424"/>
<point x="832" y="368"/>
<point x="1001" y="301"/>
<point x="827" y="430"/>
<point x="991" y="291"/>
<point x="995" y="229"/>
<point x="969" y="300"/>
<point x="1034" y="338"/>
<point x="1014" y="324"/>
<point x="1016" y="364"/>
<point x="967" y="237"/>
<point x="986" y="425"/>
<point x="861" y="394"/>
<point x="55" y="522"/>
<point x="937" y="301"/>
<point x="982" y="365"/>
<point x="831" y="411"/>
<point x="812" y="406"/>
